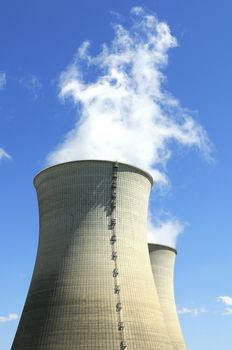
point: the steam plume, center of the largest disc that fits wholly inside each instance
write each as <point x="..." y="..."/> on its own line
<point x="124" y="113"/>
<point x="165" y="230"/>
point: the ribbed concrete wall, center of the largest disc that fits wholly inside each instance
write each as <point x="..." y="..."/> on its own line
<point x="74" y="301"/>
<point x="162" y="261"/>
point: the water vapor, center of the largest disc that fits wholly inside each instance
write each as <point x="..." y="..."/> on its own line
<point x="164" y="230"/>
<point x="124" y="111"/>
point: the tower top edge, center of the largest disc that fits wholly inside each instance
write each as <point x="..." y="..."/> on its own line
<point x="154" y="246"/>
<point x="47" y="169"/>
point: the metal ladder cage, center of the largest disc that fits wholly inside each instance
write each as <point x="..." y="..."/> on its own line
<point x="114" y="255"/>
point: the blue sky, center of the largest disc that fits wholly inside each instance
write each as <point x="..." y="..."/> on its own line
<point x="38" y="41"/>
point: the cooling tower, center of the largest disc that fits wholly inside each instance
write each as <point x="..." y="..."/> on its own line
<point x="162" y="261"/>
<point x="92" y="287"/>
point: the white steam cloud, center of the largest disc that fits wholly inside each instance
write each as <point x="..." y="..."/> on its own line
<point x="164" y="231"/>
<point x="125" y="113"/>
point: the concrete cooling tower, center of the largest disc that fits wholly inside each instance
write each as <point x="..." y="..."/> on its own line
<point x="162" y="262"/>
<point x="92" y="287"/>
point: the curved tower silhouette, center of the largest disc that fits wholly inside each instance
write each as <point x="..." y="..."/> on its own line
<point x="92" y="287"/>
<point x="162" y="261"/>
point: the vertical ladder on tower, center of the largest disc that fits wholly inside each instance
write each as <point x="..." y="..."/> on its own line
<point x="114" y="255"/>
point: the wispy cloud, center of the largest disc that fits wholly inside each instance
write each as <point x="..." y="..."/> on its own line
<point x="31" y="83"/>
<point x="227" y="301"/>
<point x="116" y="15"/>
<point x="2" y="80"/>
<point x="164" y="230"/>
<point x="4" y="154"/>
<point x="192" y="311"/>
<point x="228" y="311"/>
<point x="124" y="111"/>
<point x="10" y="317"/>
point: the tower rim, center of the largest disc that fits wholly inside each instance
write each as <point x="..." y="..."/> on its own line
<point x="47" y="169"/>
<point x="152" y="246"/>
